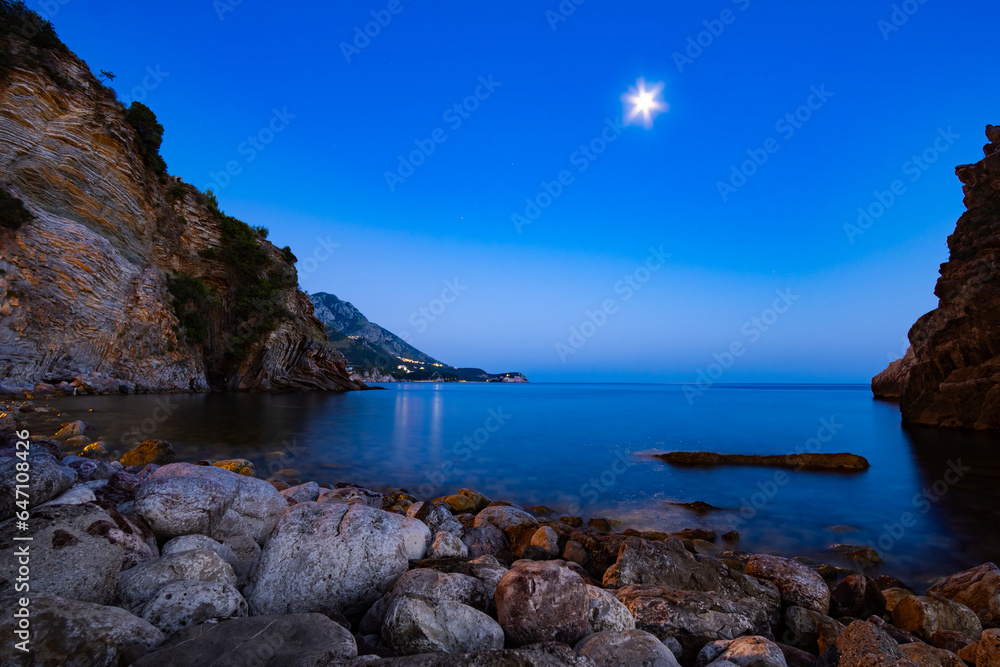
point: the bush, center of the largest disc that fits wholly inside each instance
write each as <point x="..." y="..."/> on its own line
<point x="191" y="298"/>
<point x="149" y="134"/>
<point x="12" y="211"/>
<point x="289" y="256"/>
<point x="17" y="19"/>
<point x="262" y="231"/>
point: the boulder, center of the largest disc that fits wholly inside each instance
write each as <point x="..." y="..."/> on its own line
<point x="479" y="500"/>
<point x="182" y="499"/>
<point x="751" y="651"/>
<point x="78" y="494"/>
<point x="436" y="517"/>
<point x="158" y="452"/>
<point x="327" y="557"/>
<point x="857" y="596"/>
<point x="628" y="647"/>
<point x="862" y="644"/>
<point x="72" y="428"/>
<point x="431" y="585"/>
<point x="606" y="612"/>
<point x="416" y="536"/>
<point x="487" y="540"/>
<point x="48" y="479"/>
<point x="669" y="564"/>
<point x="950" y="640"/>
<point x="547" y="540"/>
<point x="924" y="655"/>
<point x="978" y="589"/>
<point x="238" y="466"/>
<point x="542" y="601"/>
<point x="352" y="494"/>
<point x="799" y="585"/>
<point x="446" y="545"/>
<point x="900" y="636"/>
<point x="294" y="639"/>
<point x="925" y="615"/>
<point x="185" y="603"/>
<point x="247" y="553"/>
<point x="189" y="542"/>
<point x="504" y="517"/>
<point x="72" y="553"/>
<point x="694" y="618"/>
<point x="138" y="585"/>
<point x="417" y="624"/>
<point x="988" y="651"/>
<point x="303" y="493"/>
<point x="810" y="630"/>
<point x="71" y="633"/>
<point x="459" y="504"/>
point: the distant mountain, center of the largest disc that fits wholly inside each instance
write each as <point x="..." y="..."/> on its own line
<point x="375" y="354"/>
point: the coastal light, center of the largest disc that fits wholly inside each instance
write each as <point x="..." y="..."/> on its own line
<point x="643" y="104"/>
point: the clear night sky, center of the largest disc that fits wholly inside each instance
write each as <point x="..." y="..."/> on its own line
<point x="885" y="95"/>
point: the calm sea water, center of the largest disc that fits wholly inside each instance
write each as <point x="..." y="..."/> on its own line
<point x="930" y="504"/>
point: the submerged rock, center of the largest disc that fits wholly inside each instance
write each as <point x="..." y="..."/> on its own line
<point x="835" y="462"/>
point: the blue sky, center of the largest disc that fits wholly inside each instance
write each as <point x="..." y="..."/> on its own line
<point x="885" y="83"/>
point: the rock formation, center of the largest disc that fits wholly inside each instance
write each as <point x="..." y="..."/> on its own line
<point x="105" y="253"/>
<point x="950" y="375"/>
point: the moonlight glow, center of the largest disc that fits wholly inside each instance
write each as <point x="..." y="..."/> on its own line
<point x="642" y="104"/>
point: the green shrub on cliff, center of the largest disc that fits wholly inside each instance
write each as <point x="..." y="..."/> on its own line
<point x="17" y="19"/>
<point x="12" y="211"/>
<point x="191" y="301"/>
<point x="149" y="134"/>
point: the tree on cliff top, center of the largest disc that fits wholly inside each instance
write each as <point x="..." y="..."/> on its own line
<point x="150" y="135"/>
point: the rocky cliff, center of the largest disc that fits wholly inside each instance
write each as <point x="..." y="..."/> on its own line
<point x="951" y="374"/>
<point x="115" y="275"/>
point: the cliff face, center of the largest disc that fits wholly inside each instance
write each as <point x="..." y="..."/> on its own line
<point x="951" y="374"/>
<point x="85" y="285"/>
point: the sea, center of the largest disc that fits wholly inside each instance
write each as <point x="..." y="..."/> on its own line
<point x="929" y="505"/>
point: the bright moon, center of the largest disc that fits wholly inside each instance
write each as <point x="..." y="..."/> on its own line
<point x="644" y="104"/>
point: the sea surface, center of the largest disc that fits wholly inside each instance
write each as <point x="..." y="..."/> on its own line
<point x="930" y="504"/>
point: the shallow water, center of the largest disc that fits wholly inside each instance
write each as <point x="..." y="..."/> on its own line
<point x="582" y="449"/>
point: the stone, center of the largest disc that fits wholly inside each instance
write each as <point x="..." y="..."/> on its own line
<point x="893" y="596"/>
<point x="158" y="452"/>
<point x="925" y="615"/>
<point x="416" y="536"/>
<point x="238" y="466"/>
<point x="76" y="495"/>
<point x="810" y="630"/>
<point x="504" y="518"/>
<point x="694" y="618"/>
<point x="436" y="517"/>
<point x="669" y="564"/>
<point x="88" y="470"/>
<point x="575" y="553"/>
<point x="352" y="494"/>
<point x="978" y="589"/>
<point x="950" y="640"/>
<point x="72" y="428"/>
<point x="96" y="449"/>
<point x="247" y="553"/>
<point x="306" y="640"/>
<point x="857" y="596"/>
<point x="432" y="585"/>
<point x="446" y="545"/>
<point x="121" y="488"/>
<point x="796" y="657"/>
<point x="547" y="540"/>
<point x="542" y="601"/>
<point x="900" y="636"/>
<point x="988" y="649"/>
<point x="422" y="625"/>
<point x="181" y="499"/>
<point x="750" y="651"/>
<point x="459" y="503"/>
<point x="924" y="655"/>
<point x="322" y="557"/>
<point x="141" y="583"/>
<point x="628" y="647"/>
<point x="799" y="585"/>
<point x="862" y="644"/>
<point x="180" y="604"/>
<point x="189" y="542"/>
<point x="838" y="462"/>
<point x="487" y="540"/>
<point x="302" y="493"/>
<point x="71" y="553"/>
<point x="479" y="500"/>
<point x="71" y="633"/>
<point x="48" y="479"/>
<point x="606" y="612"/>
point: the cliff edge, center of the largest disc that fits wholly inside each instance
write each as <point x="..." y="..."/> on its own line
<point x="116" y="276"/>
<point x="950" y="376"/>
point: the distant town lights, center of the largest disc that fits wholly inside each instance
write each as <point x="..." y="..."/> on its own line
<point x="643" y="104"/>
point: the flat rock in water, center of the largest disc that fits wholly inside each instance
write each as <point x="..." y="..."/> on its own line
<point x="834" y="462"/>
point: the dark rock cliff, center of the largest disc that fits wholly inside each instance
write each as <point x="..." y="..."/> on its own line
<point x="114" y="272"/>
<point x="951" y="374"/>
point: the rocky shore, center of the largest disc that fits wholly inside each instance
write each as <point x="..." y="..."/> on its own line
<point x="137" y="559"/>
